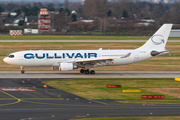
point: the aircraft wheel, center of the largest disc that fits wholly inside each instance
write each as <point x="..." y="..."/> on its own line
<point x="86" y="71"/>
<point x="22" y="71"/>
<point x="92" y="72"/>
<point x="82" y="71"/>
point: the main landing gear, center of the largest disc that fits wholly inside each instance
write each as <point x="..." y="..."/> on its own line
<point x="22" y="69"/>
<point x="87" y="71"/>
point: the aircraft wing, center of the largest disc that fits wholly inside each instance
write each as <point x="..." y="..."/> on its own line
<point x="98" y="60"/>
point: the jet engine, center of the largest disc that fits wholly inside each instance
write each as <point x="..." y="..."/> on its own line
<point x="67" y="66"/>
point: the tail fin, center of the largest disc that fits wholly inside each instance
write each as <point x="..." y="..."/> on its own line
<point x="159" y="39"/>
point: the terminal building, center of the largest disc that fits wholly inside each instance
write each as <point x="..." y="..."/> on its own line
<point x="175" y="33"/>
<point x="44" y="21"/>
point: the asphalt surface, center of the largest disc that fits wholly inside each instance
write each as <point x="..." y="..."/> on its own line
<point x="85" y="41"/>
<point x="99" y="74"/>
<point x="53" y="104"/>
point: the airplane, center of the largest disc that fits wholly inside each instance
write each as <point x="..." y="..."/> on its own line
<point x="68" y="60"/>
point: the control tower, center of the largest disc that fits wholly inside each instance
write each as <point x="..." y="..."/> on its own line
<point x="44" y="20"/>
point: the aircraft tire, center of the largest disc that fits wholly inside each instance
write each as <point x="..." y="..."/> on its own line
<point x="92" y="72"/>
<point x="86" y="71"/>
<point x="22" y="71"/>
<point x="82" y="71"/>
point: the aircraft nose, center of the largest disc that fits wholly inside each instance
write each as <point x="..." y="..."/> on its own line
<point x="5" y="59"/>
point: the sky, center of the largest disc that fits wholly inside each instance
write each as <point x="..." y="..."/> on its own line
<point x="52" y="0"/>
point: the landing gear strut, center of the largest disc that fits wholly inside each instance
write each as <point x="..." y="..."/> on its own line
<point x="22" y="69"/>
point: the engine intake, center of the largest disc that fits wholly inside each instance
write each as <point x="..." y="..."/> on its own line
<point x="67" y="66"/>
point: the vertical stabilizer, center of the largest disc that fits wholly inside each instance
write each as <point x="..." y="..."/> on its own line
<point x="159" y="39"/>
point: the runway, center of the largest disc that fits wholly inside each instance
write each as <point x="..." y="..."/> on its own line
<point x="99" y="74"/>
<point x="53" y="104"/>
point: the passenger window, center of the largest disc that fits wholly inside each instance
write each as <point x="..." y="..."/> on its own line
<point x="11" y="56"/>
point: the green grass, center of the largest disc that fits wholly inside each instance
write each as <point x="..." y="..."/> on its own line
<point x="71" y="37"/>
<point x="96" y="88"/>
<point x="161" y="62"/>
<point x="133" y="118"/>
<point x="151" y="102"/>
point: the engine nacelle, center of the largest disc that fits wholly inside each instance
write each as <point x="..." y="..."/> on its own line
<point x="67" y="67"/>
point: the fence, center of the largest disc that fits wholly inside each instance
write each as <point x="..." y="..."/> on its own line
<point x="15" y="32"/>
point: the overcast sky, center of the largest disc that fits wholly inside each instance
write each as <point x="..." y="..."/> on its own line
<point x="51" y="0"/>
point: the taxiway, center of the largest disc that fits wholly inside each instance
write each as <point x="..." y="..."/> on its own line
<point x="54" y="104"/>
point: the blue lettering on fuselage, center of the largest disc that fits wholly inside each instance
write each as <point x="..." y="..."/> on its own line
<point x="59" y="56"/>
<point x="29" y="56"/>
<point x="48" y="56"/>
<point x="56" y="56"/>
<point x="70" y="56"/>
<point x="78" y="55"/>
<point x="92" y="55"/>
<point x="40" y="56"/>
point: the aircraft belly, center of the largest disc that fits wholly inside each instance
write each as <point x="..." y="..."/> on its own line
<point x="124" y="61"/>
<point x="36" y="63"/>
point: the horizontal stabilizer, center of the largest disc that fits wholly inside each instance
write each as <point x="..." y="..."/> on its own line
<point x="155" y="53"/>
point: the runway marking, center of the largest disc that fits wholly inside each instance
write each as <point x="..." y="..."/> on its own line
<point x="33" y="98"/>
<point x="42" y="98"/>
<point x="99" y="102"/>
<point x="61" y="104"/>
<point x="18" y="100"/>
<point x="108" y="107"/>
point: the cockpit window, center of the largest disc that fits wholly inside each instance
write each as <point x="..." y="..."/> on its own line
<point x="10" y="56"/>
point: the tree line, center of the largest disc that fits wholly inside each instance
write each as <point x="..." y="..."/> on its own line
<point x="103" y="13"/>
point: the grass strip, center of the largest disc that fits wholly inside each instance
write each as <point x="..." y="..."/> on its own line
<point x="151" y="102"/>
<point x="95" y="89"/>
<point x="73" y="37"/>
<point x="133" y="118"/>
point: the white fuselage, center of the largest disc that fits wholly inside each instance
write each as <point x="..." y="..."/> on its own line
<point x="52" y="58"/>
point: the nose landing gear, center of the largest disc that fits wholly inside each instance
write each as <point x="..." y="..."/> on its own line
<point x="22" y="69"/>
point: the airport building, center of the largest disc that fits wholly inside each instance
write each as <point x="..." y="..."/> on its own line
<point x="162" y="1"/>
<point x="44" y="20"/>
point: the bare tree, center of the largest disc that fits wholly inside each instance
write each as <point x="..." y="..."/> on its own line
<point x="38" y="4"/>
<point x="75" y="6"/>
<point x="119" y="6"/>
<point x="96" y="8"/>
<point x="146" y="11"/>
<point x="175" y="12"/>
<point x="66" y="4"/>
